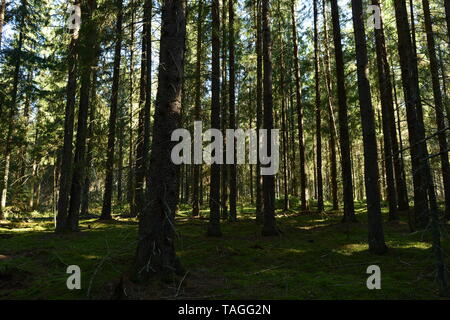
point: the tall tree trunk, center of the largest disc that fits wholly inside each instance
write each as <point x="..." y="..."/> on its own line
<point x="156" y="245"/>
<point x="376" y="234"/>
<point x="438" y="105"/>
<point x="214" y="193"/>
<point x="298" y="94"/>
<point x="319" y="180"/>
<point x="130" y="182"/>
<point x="197" y="108"/>
<point x="232" y="101"/>
<point x="66" y="160"/>
<point x="420" y="168"/>
<point x="12" y="110"/>
<point x="224" y="113"/>
<point x="331" y="122"/>
<point x="447" y="18"/>
<point x="87" y="59"/>
<point x="84" y="210"/>
<point x="385" y="88"/>
<point x="269" y="227"/>
<point x="346" y="165"/>
<point x="259" y="93"/>
<point x="107" y="196"/>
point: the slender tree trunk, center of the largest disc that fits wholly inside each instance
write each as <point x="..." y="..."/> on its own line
<point x="259" y="97"/>
<point x="87" y="59"/>
<point x="298" y="94"/>
<point x="66" y="160"/>
<point x="91" y="141"/>
<point x="232" y="101"/>
<point x="269" y="227"/>
<point x="438" y="105"/>
<point x="224" y="113"/>
<point x="107" y="196"/>
<point x="376" y="234"/>
<point x="385" y="88"/>
<point x="214" y="193"/>
<point x="447" y="18"/>
<point x="156" y="245"/>
<point x="130" y="182"/>
<point x="319" y="180"/>
<point x="197" y="108"/>
<point x="12" y="110"/>
<point x="346" y="165"/>
<point x="331" y="122"/>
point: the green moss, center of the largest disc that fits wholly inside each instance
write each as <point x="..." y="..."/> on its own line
<point x="316" y="257"/>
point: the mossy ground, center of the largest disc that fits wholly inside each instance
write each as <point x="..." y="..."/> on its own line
<point x="316" y="257"/>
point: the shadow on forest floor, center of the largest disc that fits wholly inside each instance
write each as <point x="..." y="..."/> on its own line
<point x="316" y="257"/>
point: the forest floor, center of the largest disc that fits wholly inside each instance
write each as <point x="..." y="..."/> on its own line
<point x="316" y="257"/>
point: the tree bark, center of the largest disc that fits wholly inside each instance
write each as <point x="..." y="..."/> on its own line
<point x="88" y="39"/>
<point x="438" y="105"/>
<point x="385" y="87"/>
<point x="346" y="165"/>
<point x="107" y="196"/>
<point x="214" y="194"/>
<point x="155" y="253"/>
<point x="319" y="180"/>
<point x="299" y="107"/>
<point x="269" y="226"/>
<point x="2" y="18"/>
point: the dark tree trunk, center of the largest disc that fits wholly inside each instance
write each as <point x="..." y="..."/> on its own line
<point x="66" y="160"/>
<point x="259" y="93"/>
<point x="420" y="167"/>
<point x="224" y="113"/>
<point x="346" y="165"/>
<point x="197" y="116"/>
<point x="319" y="180"/>
<point x="84" y="210"/>
<point x="385" y="88"/>
<point x="298" y="94"/>
<point x="376" y="234"/>
<point x="269" y="227"/>
<point x="156" y="248"/>
<point x="88" y="39"/>
<point x="107" y="196"/>
<point x="214" y="193"/>
<point x="12" y="109"/>
<point x="130" y="182"/>
<point x="232" y="101"/>
<point x="331" y="122"/>
<point x="447" y="18"/>
<point x="438" y="105"/>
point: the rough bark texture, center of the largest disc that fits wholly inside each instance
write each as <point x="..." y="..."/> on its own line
<point x="2" y="18"/>
<point x="214" y="195"/>
<point x="376" y="234"/>
<point x="346" y="165"/>
<point x="107" y="196"/>
<point x="155" y="253"/>
<point x="259" y="93"/>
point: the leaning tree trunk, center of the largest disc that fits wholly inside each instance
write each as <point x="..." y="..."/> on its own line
<point x="319" y="180"/>
<point x="214" y="198"/>
<point x="385" y="87"/>
<point x="107" y="196"/>
<point x="269" y="226"/>
<point x="88" y="39"/>
<point x="376" y="234"/>
<point x="156" y="244"/>
<point x="346" y="165"/>
<point x="438" y="105"/>
<point x="299" y="106"/>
